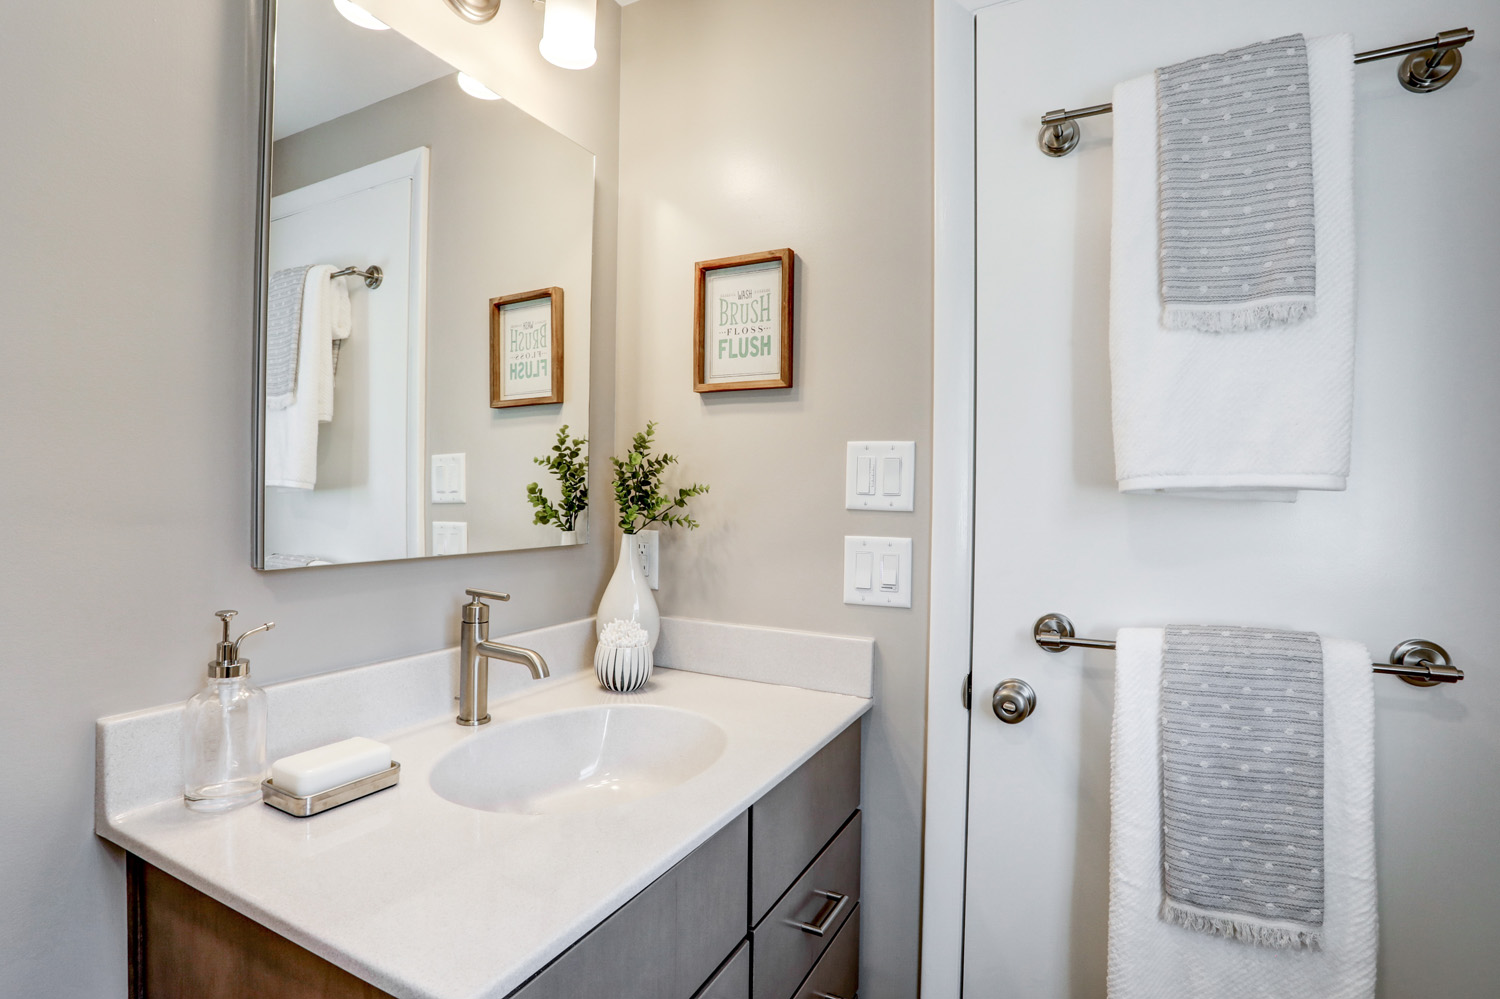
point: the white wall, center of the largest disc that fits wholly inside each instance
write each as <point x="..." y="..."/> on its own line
<point x="127" y="215"/>
<point x="749" y="126"/>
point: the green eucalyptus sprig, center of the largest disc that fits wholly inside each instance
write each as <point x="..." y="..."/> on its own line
<point x="571" y="466"/>
<point x="639" y="492"/>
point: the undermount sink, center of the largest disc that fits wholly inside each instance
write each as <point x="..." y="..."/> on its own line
<point x="578" y="760"/>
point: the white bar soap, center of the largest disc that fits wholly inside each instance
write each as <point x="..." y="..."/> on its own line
<point x="328" y="766"/>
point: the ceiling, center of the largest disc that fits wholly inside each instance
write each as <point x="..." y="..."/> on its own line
<point x="327" y="67"/>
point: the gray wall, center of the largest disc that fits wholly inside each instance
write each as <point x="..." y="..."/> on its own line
<point x="510" y="209"/>
<point x="127" y="214"/>
<point x="751" y="126"/>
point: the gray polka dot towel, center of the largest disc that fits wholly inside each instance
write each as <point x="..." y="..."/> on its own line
<point x="1234" y="155"/>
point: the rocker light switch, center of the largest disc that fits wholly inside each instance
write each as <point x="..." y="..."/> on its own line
<point x="864" y="564"/>
<point x="877" y="571"/>
<point x="880" y="475"/>
<point x="890" y="476"/>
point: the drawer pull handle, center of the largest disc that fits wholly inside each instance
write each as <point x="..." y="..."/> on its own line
<point x="833" y="904"/>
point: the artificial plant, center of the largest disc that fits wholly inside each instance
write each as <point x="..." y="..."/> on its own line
<point x="639" y="492"/>
<point x="571" y="466"/>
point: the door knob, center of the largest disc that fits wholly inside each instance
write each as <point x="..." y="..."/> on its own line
<point x="1014" y="701"/>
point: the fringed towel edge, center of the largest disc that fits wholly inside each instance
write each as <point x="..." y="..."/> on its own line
<point x="1238" y="318"/>
<point x="1277" y="936"/>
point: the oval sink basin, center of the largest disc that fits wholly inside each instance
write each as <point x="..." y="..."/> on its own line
<point x="578" y="760"/>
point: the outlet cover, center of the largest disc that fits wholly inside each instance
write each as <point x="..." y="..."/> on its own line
<point x="647" y="549"/>
<point x="450" y="478"/>
<point x="877" y="571"/>
<point x="450" y="537"/>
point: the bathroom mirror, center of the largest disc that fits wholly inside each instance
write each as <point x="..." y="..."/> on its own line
<point x="411" y="218"/>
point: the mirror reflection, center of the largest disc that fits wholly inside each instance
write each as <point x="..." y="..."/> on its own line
<point x="426" y="319"/>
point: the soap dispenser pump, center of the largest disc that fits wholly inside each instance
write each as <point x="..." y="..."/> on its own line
<point x="224" y="731"/>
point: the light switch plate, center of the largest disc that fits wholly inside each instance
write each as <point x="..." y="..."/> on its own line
<point x="868" y="571"/>
<point x="450" y="478"/>
<point x="450" y="537"/>
<point x="647" y="547"/>
<point x="880" y="475"/>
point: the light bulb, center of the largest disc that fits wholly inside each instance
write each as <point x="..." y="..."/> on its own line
<point x="568" y="34"/>
<point x="474" y="88"/>
<point x="354" y="12"/>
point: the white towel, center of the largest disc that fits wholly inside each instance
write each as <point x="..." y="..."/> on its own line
<point x="1152" y="959"/>
<point x="292" y="433"/>
<point x="338" y="323"/>
<point x="1256" y="414"/>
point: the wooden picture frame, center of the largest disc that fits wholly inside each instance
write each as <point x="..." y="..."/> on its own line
<point x="526" y="349"/>
<point x="742" y="334"/>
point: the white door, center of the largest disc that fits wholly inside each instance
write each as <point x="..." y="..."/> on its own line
<point x="1410" y="550"/>
<point x="367" y="505"/>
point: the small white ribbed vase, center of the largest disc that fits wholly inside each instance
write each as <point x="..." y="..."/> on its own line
<point x="628" y="596"/>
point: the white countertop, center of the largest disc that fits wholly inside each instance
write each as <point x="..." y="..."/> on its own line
<point x="431" y="900"/>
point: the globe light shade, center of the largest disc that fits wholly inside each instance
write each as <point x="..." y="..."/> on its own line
<point x="568" y="33"/>
<point x="354" y="12"/>
<point x="474" y="88"/>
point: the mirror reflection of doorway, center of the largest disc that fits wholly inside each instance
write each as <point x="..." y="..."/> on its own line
<point x="366" y="504"/>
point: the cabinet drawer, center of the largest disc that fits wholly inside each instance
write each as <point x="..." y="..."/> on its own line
<point x="785" y="945"/>
<point x="836" y="975"/>
<point x="665" y="942"/>
<point x="799" y="816"/>
<point x="732" y="981"/>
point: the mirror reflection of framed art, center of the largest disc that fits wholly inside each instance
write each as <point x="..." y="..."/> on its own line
<point x="526" y="349"/>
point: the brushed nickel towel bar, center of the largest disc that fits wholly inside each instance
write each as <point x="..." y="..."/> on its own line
<point x="373" y="275"/>
<point x="1431" y="63"/>
<point x="1417" y="661"/>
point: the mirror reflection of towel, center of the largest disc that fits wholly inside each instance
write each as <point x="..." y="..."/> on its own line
<point x="283" y="333"/>
<point x="292" y="432"/>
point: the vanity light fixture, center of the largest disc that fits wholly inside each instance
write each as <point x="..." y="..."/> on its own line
<point x="475" y="11"/>
<point x="354" y="12"/>
<point x="568" y="33"/>
<point x="474" y="88"/>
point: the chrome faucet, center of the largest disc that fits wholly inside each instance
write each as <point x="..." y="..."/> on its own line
<point x="475" y="650"/>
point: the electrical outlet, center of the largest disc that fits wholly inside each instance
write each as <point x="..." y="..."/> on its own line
<point x="647" y="551"/>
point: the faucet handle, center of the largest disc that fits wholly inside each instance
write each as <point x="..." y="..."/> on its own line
<point x="486" y="594"/>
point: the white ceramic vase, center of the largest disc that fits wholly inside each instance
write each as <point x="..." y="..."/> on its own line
<point x="628" y="596"/>
<point x="566" y="538"/>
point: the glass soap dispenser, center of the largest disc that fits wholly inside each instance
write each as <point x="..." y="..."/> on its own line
<point x="224" y="731"/>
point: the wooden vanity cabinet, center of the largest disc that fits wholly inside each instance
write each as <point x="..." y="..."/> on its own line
<point x="767" y="908"/>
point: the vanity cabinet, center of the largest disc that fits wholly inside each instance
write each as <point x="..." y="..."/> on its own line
<point x="767" y="908"/>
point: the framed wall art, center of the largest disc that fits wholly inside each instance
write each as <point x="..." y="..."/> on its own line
<point x="526" y="349"/>
<point x="742" y="328"/>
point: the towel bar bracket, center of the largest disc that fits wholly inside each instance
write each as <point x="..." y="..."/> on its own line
<point x="1416" y="654"/>
<point x="373" y="275"/>
<point x="1417" y="661"/>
